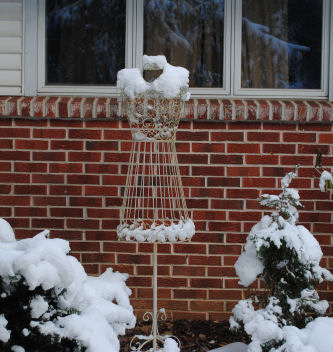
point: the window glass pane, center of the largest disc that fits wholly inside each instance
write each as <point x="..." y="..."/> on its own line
<point x="85" y="41"/>
<point x="190" y="34"/>
<point x="281" y="44"/>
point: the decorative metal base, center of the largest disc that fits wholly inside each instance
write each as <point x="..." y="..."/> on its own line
<point x="155" y="338"/>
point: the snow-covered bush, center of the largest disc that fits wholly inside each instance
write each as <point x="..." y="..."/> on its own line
<point x="48" y="302"/>
<point x="326" y="181"/>
<point x="286" y="256"/>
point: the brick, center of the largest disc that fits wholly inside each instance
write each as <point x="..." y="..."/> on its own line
<point x="172" y="282"/>
<point x="198" y="283"/>
<point x="190" y="293"/>
<point x="263" y="136"/>
<point x="44" y="201"/>
<point x="65" y="212"/>
<point x="224" y="226"/>
<point x="279" y="148"/>
<point x="227" y="204"/>
<point x="192" y="136"/>
<point x="259" y="182"/>
<point x="85" y="246"/>
<point x="103" y="213"/>
<point x="246" y="193"/>
<point x="207" y="171"/>
<point x="204" y="260"/>
<point x="226" y="159"/>
<point x="133" y="259"/>
<point x="222" y="272"/>
<point x="192" y="158"/>
<point x="225" y="294"/>
<point x="47" y="178"/>
<point x="82" y="224"/>
<point x="299" y="137"/>
<point x="223" y="182"/>
<point x="65" y="168"/>
<point x="85" y="156"/>
<point x="207" y="306"/>
<point x="312" y="149"/>
<point x="30" y="167"/>
<point x="243" y="171"/>
<point x="125" y="247"/>
<point x="14" y="178"/>
<point x="101" y="145"/>
<point x="98" y="257"/>
<point x="188" y="248"/>
<point x="6" y="144"/>
<point x="174" y="259"/>
<point x="48" y="223"/>
<point x="101" y="191"/>
<point x="243" y="148"/>
<point x="101" y="169"/>
<point x="224" y="249"/>
<point x="247" y="216"/>
<point x="49" y="156"/>
<point x="85" y="201"/>
<point x="49" y="133"/>
<point x="262" y="159"/>
<point x="227" y="136"/>
<point x="83" y="179"/>
<point x="66" y="145"/>
<point x="207" y="148"/>
<point x="29" y="189"/>
<point x="14" y="155"/>
<point x="65" y="190"/>
<point x="7" y="132"/>
<point x="209" y="215"/>
<point x="84" y="134"/>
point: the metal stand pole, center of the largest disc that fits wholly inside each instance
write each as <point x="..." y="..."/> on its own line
<point x="155" y="298"/>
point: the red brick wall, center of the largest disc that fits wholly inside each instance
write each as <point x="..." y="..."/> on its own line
<point x="68" y="175"/>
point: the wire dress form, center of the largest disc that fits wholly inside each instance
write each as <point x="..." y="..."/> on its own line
<point x="154" y="207"/>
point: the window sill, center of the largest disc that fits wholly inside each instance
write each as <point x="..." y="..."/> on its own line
<point x="198" y="109"/>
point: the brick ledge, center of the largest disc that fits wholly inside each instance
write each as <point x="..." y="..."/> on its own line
<point x="201" y="109"/>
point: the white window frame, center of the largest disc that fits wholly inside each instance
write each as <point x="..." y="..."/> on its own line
<point x="281" y="93"/>
<point x="35" y="62"/>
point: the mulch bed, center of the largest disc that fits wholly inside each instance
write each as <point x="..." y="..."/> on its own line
<point x="195" y="336"/>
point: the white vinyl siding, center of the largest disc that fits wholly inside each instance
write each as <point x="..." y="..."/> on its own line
<point x="11" y="46"/>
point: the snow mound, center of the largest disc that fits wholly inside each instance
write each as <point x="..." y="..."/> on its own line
<point x="325" y="176"/>
<point x="103" y="302"/>
<point x="6" y="232"/>
<point x="172" y="83"/>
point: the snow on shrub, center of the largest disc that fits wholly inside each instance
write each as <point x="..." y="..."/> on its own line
<point x="286" y="256"/>
<point x="48" y="302"/>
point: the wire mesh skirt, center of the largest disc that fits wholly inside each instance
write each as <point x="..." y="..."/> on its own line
<point x="154" y="207"/>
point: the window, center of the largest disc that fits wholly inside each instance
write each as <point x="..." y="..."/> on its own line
<point x="231" y="47"/>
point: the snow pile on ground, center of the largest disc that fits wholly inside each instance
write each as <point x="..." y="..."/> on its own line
<point x="172" y="83"/>
<point x="263" y="327"/>
<point x="317" y="336"/>
<point x="326" y="181"/>
<point x="181" y="231"/>
<point x="103" y="309"/>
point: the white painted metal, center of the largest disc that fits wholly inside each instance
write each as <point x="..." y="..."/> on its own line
<point x="280" y="93"/>
<point x="330" y="83"/>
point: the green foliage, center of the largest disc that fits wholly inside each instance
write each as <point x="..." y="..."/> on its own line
<point x="15" y="299"/>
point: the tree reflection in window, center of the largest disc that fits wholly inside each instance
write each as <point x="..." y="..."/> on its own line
<point x="85" y="41"/>
<point x="190" y="33"/>
<point x="282" y="44"/>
